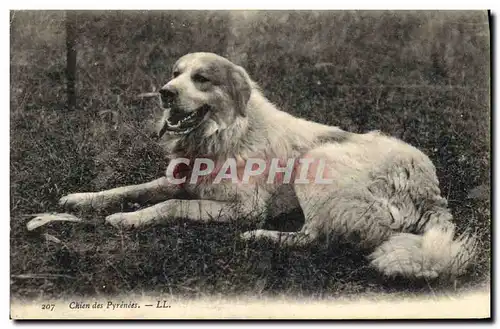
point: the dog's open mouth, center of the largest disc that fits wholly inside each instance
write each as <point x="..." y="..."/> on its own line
<point x="180" y="122"/>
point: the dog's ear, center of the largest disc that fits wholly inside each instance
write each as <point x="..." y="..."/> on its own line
<point x="240" y="89"/>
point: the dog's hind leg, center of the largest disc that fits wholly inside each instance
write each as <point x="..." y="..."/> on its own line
<point x="290" y="239"/>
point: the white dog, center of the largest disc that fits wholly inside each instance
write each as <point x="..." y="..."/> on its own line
<point x="380" y="193"/>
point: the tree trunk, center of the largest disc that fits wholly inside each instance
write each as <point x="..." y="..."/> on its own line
<point x="71" y="58"/>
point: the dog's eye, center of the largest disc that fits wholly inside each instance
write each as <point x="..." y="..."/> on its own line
<point x="200" y="78"/>
<point x="176" y="74"/>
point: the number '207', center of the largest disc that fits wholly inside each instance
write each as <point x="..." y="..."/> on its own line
<point x="48" y="307"/>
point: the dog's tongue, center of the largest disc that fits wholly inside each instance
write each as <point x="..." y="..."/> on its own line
<point x="163" y="129"/>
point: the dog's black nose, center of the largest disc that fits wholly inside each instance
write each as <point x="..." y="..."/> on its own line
<point x="167" y="95"/>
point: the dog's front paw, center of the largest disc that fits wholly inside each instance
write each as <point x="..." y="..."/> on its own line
<point x="251" y="235"/>
<point x="124" y="220"/>
<point x="77" y="200"/>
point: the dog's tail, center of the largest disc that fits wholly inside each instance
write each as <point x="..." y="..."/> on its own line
<point x="434" y="254"/>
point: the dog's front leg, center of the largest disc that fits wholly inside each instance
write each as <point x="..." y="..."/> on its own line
<point x="195" y="210"/>
<point x="154" y="191"/>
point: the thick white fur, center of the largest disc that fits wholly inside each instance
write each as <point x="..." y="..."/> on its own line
<point x="384" y="197"/>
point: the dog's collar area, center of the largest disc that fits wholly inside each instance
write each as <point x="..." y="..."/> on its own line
<point x="182" y="123"/>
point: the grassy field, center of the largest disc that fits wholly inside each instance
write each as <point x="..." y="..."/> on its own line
<point x="421" y="77"/>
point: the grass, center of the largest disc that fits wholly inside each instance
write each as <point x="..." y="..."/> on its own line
<point x="423" y="77"/>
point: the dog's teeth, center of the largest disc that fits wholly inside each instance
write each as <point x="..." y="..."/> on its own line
<point x="188" y="117"/>
<point x="174" y="132"/>
<point x="179" y="124"/>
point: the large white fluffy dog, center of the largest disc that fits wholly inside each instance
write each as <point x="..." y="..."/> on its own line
<point x="380" y="193"/>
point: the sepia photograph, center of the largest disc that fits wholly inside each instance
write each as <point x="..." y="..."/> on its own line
<point x="250" y="164"/>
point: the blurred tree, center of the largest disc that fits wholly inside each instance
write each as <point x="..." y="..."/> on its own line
<point x="71" y="58"/>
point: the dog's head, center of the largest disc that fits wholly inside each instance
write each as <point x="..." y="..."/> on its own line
<point x="207" y="93"/>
